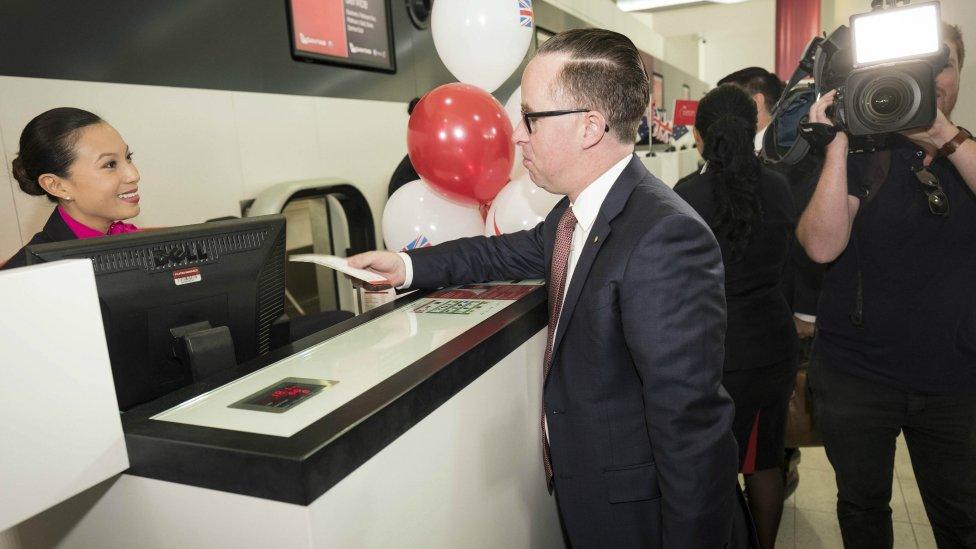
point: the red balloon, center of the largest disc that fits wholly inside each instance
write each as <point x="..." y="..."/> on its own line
<point x="460" y="141"/>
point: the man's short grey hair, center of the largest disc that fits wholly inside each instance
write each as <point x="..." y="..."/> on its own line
<point x="604" y="73"/>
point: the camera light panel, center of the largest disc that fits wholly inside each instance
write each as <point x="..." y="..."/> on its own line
<point x="896" y="33"/>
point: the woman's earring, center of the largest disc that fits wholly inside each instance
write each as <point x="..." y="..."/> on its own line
<point x="67" y="198"/>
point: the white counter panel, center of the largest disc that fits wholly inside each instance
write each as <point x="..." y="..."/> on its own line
<point x="60" y="433"/>
<point x="358" y="360"/>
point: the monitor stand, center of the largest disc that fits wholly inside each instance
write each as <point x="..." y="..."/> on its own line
<point x="207" y="350"/>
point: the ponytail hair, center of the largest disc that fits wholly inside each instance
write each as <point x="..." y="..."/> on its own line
<point x="726" y="119"/>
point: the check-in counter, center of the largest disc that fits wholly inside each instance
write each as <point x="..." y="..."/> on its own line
<point x="413" y="425"/>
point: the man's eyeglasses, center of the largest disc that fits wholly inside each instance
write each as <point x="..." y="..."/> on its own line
<point x="528" y="117"/>
<point x="938" y="201"/>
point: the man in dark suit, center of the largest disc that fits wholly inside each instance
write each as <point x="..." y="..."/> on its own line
<point x="636" y="429"/>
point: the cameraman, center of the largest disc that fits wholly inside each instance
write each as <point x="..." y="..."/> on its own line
<point x="896" y="340"/>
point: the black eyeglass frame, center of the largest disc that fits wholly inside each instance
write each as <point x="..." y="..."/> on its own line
<point x="932" y="187"/>
<point x="527" y="117"/>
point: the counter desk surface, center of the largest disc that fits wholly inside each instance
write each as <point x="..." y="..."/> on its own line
<point x="290" y="425"/>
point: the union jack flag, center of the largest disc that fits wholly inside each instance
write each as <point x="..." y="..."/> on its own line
<point x="419" y="242"/>
<point x="660" y="128"/>
<point x="525" y="13"/>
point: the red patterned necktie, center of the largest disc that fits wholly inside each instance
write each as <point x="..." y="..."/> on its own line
<point x="557" y="285"/>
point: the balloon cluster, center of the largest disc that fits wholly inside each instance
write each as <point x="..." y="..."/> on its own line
<point x="459" y="137"/>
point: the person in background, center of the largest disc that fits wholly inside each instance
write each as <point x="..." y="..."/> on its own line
<point x="896" y="326"/>
<point x="764" y="88"/>
<point x="750" y="210"/>
<point x="83" y="165"/>
<point x="404" y="172"/>
<point x="802" y="276"/>
<point x="635" y="430"/>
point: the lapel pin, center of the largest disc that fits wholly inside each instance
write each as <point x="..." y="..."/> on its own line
<point x="596" y="239"/>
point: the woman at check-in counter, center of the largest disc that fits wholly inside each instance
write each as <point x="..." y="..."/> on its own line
<point x="82" y="164"/>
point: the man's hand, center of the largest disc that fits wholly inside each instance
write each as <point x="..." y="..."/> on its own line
<point x="387" y="264"/>
<point x="804" y="329"/>
<point x="818" y="115"/>
<point x="935" y="136"/>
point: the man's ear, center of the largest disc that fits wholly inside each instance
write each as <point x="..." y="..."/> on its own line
<point x="760" y="100"/>
<point x="595" y="130"/>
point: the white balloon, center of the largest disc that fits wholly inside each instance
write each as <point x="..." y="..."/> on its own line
<point x="482" y="41"/>
<point x="520" y="205"/>
<point x="416" y="216"/>
<point x="513" y="107"/>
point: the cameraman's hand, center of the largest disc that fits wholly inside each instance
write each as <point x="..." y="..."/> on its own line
<point x="387" y="264"/>
<point x="932" y="139"/>
<point x="818" y="114"/>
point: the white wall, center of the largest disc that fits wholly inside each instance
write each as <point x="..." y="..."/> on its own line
<point x="683" y="52"/>
<point x="735" y="36"/>
<point x="606" y="14"/>
<point x="200" y="152"/>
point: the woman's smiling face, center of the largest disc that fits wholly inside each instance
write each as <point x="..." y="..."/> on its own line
<point x="102" y="182"/>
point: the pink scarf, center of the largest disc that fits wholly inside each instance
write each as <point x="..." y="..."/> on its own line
<point x="84" y="231"/>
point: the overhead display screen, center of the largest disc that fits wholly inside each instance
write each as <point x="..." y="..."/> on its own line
<point x="344" y="32"/>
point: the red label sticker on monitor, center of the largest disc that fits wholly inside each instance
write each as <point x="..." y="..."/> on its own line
<point x="187" y="276"/>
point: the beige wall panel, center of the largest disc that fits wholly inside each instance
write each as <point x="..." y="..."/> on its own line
<point x="277" y="138"/>
<point x="362" y="141"/>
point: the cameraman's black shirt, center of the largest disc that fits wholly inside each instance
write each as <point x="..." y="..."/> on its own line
<point x="918" y="274"/>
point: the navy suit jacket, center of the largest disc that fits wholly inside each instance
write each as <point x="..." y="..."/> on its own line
<point x="639" y="424"/>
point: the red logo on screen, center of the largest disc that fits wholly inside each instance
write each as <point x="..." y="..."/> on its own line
<point x="320" y="27"/>
<point x="684" y="112"/>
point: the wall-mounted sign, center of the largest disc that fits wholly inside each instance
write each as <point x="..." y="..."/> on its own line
<point x="356" y="33"/>
<point x="684" y="112"/>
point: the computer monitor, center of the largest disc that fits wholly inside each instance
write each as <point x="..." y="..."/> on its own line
<point x="155" y="283"/>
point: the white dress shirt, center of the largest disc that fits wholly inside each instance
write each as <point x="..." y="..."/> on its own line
<point x="760" y="135"/>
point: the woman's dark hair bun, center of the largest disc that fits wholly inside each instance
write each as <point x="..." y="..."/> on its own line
<point x="47" y="146"/>
<point x="28" y="185"/>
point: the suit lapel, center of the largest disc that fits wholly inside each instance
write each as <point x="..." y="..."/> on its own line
<point x="613" y="204"/>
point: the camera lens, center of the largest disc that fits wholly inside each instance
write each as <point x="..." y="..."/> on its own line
<point x="885" y="101"/>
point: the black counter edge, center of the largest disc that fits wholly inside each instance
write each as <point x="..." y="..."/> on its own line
<point x="301" y="468"/>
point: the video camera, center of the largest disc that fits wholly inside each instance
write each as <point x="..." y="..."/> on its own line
<point x="883" y="67"/>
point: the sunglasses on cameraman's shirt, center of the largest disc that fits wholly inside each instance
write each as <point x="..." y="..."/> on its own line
<point x="938" y="201"/>
<point x="528" y="117"/>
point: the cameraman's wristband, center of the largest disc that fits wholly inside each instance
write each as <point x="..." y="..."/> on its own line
<point x="954" y="143"/>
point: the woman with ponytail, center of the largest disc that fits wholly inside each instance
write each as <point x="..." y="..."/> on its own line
<point x="751" y="212"/>
<point x="81" y="164"/>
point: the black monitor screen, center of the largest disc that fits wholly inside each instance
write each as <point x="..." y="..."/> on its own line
<point x="227" y="273"/>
